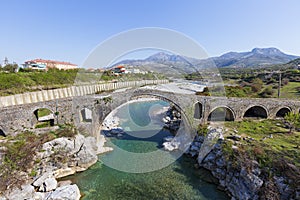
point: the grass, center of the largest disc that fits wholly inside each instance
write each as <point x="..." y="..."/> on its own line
<point x="271" y="143"/>
<point x="29" y="81"/>
<point x="43" y="112"/>
<point x="291" y="90"/>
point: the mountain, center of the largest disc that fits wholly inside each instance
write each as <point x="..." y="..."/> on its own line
<point x="176" y="64"/>
<point x="255" y="58"/>
<point x="170" y="65"/>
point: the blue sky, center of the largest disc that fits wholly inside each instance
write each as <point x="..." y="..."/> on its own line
<point x="69" y="30"/>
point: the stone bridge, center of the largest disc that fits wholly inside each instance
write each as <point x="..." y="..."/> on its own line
<point x="87" y="108"/>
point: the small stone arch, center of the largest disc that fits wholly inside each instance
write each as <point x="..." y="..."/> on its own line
<point x="283" y="111"/>
<point x="256" y="111"/>
<point x="198" y="110"/>
<point x="86" y="115"/>
<point x="43" y="117"/>
<point x="221" y="113"/>
<point x="2" y="133"/>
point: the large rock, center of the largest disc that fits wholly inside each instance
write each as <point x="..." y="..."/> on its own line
<point x="26" y="192"/>
<point x="170" y="146"/>
<point x="209" y="142"/>
<point x="40" y="180"/>
<point x="49" y="185"/>
<point x="46" y="182"/>
<point x="68" y="192"/>
<point x="79" y="153"/>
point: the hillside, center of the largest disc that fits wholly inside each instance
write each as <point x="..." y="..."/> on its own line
<point x="175" y="65"/>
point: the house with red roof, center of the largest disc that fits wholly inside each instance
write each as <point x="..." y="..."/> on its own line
<point x="43" y="64"/>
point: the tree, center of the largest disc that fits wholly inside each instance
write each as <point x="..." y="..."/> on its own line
<point x="267" y="92"/>
<point x="293" y="121"/>
<point x="256" y="85"/>
<point x="10" y="68"/>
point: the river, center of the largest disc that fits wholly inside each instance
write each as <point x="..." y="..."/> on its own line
<point x="116" y="176"/>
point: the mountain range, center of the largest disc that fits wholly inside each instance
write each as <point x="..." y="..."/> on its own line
<point x="170" y="64"/>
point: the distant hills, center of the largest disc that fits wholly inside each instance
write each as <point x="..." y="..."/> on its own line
<point x="170" y="64"/>
<point x="255" y="58"/>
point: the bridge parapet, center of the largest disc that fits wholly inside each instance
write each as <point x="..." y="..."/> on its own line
<point x="73" y="91"/>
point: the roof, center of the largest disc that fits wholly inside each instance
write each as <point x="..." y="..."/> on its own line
<point x="50" y="62"/>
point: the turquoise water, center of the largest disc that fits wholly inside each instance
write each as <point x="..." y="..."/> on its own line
<point x="178" y="180"/>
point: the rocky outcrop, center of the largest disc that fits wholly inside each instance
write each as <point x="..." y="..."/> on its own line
<point x="66" y="156"/>
<point x="240" y="180"/>
<point x="58" y="158"/>
<point x="172" y="119"/>
<point x="66" y="192"/>
<point x="241" y="183"/>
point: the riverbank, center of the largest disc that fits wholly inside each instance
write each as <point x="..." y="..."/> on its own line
<point x="246" y="163"/>
<point x="54" y="159"/>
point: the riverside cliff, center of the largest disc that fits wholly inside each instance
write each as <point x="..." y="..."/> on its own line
<point x="239" y="175"/>
<point x="54" y="159"/>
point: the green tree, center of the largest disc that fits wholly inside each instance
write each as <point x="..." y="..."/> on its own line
<point x="10" y="68"/>
<point x="267" y="92"/>
<point x="256" y="85"/>
<point x="293" y="121"/>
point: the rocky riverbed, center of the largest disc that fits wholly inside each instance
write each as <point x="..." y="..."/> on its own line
<point x="58" y="158"/>
<point x="246" y="182"/>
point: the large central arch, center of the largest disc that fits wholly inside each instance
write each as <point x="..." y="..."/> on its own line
<point x="163" y="98"/>
<point x="221" y="113"/>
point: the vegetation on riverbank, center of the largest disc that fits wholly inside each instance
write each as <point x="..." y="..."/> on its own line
<point x="19" y="160"/>
<point x="270" y="144"/>
<point x="268" y="141"/>
<point x="254" y="82"/>
<point x="29" y="80"/>
<point x="254" y="159"/>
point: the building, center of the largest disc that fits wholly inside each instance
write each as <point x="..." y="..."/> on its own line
<point x="119" y="70"/>
<point x="42" y="64"/>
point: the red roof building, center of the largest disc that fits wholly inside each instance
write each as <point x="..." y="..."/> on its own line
<point x="51" y="64"/>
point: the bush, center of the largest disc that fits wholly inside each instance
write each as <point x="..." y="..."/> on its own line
<point x="256" y="85"/>
<point x="267" y="92"/>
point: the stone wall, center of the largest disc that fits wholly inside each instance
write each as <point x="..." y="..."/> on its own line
<point x="97" y="101"/>
<point x="17" y="111"/>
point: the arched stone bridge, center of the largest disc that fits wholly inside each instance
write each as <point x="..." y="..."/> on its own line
<point x="88" y="112"/>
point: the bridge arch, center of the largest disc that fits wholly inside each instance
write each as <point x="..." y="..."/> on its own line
<point x="43" y="117"/>
<point x="283" y="111"/>
<point x="173" y="102"/>
<point x="160" y="97"/>
<point x="221" y="113"/>
<point x="2" y="133"/>
<point x="86" y="115"/>
<point x="256" y="111"/>
<point x="198" y="110"/>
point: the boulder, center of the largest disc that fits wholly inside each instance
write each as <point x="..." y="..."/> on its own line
<point x="168" y="138"/>
<point x="116" y="130"/>
<point x="171" y="146"/>
<point x="40" y="180"/>
<point x="62" y="172"/>
<point x="26" y="192"/>
<point x="49" y="185"/>
<point x="68" y="192"/>
<point x="209" y="143"/>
